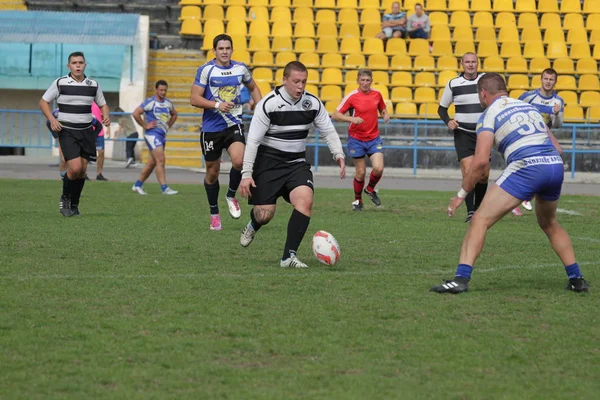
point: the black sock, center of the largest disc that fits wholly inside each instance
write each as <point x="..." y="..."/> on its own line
<point x="212" y="193"/>
<point x="255" y="224"/>
<point x="68" y="186"/>
<point x="297" y="227"/>
<point x="76" y="193"/>
<point x="470" y="201"/>
<point x="235" y="177"/>
<point x="480" y="190"/>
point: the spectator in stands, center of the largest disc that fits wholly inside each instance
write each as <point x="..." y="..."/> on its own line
<point x="127" y="127"/>
<point x="418" y="26"/>
<point x="393" y="24"/>
<point x="99" y="144"/>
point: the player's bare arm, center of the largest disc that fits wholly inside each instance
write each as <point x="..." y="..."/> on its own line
<point x="137" y="116"/>
<point x="105" y="115"/>
<point x="555" y="141"/>
<point x="339" y="117"/>
<point x="385" y="115"/>
<point x="197" y="99"/>
<point x="255" y="93"/>
<point x="172" y="119"/>
<point x="54" y="124"/>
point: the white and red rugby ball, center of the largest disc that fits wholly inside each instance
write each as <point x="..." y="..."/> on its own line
<point x="326" y="248"/>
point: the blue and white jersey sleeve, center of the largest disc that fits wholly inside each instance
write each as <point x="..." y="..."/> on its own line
<point x="202" y="76"/>
<point x="159" y="111"/>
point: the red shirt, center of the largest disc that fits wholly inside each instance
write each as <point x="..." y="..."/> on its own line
<point x="367" y="107"/>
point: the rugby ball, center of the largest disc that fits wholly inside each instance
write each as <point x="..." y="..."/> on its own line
<point x="326" y="248"/>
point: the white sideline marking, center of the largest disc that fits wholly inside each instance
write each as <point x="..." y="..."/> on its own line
<point x="259" y="274"/>
<point x="570" y="212"/>
<point x="587" y="239"/>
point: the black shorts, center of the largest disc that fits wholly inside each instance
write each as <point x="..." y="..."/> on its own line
<point x="464" y="143"/>
<point x="274" y="179"/>
<point x="213" y="143"/>
<point x="78" y="143"/>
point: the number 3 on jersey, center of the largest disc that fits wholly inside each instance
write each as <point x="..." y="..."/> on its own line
<point x="530" y="122"/>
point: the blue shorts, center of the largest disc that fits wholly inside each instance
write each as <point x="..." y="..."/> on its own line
<point x="154" y="141"/>
<point x="99" y="143"/>
<point x="541" y="175"/>
<point x="358" y="148"/>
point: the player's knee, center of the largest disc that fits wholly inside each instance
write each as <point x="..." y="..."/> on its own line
<point x="378" y="170"/>
<point x="359" y="176"/>
<point x="237" y="164"/>
<point x="263" y="215"/>
<point x="547" y="224"/>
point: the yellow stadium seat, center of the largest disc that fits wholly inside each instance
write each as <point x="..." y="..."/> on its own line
<point x="212" y="28"/>
<point x="424" y="63"/>
<point x="550" y="21"/>
<point x="386" y="5"/>
<point x="327" y="29"/>
<point x="395" y="46"/>
<point x="350" y="29"/>
<point x="592" y="22"/>
<point x="313" y="76"/>
<point x="241" y="56"/>
<point x="331" y="76"/>
<point x="236" y="29"/>
<point x="385" y="93"/>
<point x="284" y="57"/>
<point x="303" y="14"/>
<point x="591" y="7"/>
<point x="570" y="6"/>
<point x="548" y="6"/>
<point x="401" y="62"/>
<point x="441" y="48"/>
<point x="515" y="94"/>
<point x="328" y="45"/>
<point x="589" y="99"/>
<point x="378" y="62"/>
<point x="283" y="43"/>
<point x="460" y="18"/>
<point x="425" y="79"/>
<point x="481" y="5"/>
<point x="331" y="92"/>
<point x="312" y="89"/>
<point x="381" y="78"/>
<point x="304" y="45"/>
<point x="485" y="33"/>
<point x="301" y="29"/>
<point x="258" y="2"/>
<point x="329" y="60"/>
<point x="409" y="5"/>
<point x="538" y="64"/>
<point x="351" y="77"/>
<point x="402" y="78"/>
<point x="262" y="59"/>
<point x="371" y="46"/>
<point x="354" y="60"/>
<point x="525" y="6"/>
<point x="494" y="64"/>
<point x="239" y="42"/>
<point x="462" y="47"/>
<point x="235" y="2"/>
<point x="281" y="3"/>
<point x="580" y="50"/>
<point x="445" y="76"/>
<point x="531" y="34"/>
<point x="406" y="109"/>
<point x="511" y="49"/>
<point x="595" y="37"/>
<point x="566" y="82"/>
<point x="533" y="49"/>
<point x="503" y="6"/>
<point x="281" y="14"/>
<point x="424" y="95"/>
<point x="370" y="30"/>
<point x="573" y="114"/>
<point x="347" y="15"/>
<point x="258" y="28"/>
<point x="569" y="97"/>
<point x="418" y="47"/>
<point x="483" y="19"/>
<point x="429" y="110"/>
<point x="460" y="33"/>
<point x="368" y="4"/>
<point x="528" y="20"/>
<point x="518" y="81"/>
<point x="370" y="16"/>
<point x="401" y="94"/>
<point x="262" y="74"/>
<point x="440" y="32"/>
<point x="190" y="12"/>
<point x="577" y="35"/>
<point x="302" y="3"/>
<point x="589" y="82"/>
<point x="324" y="3"/>
<point x="505" y="19"/>
<point x="214" y="12"/>
<point x="596" y="54"/>
<point x="516" y="65"/>
<point x="508" y="34"/>
<point x="326" y="16"/>
<point x="564" y="66"/>
<point x="332" y="105"/>
<point x="572" y="21"/>
<point x="593" y="114"/>
<point x="458" y="5"/>
<point x="235" y="13"/>
<point x="258" y="13"/>
<point x="438" y="18"/>
<point x="447" y="63"/>
<point x="436" y="5"/>
<point x="487" y="48"/>
<point x="192" y="27"/>
<point x="351" y="45"/>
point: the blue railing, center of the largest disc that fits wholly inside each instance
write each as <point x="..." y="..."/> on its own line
<point x="27" y="129"/>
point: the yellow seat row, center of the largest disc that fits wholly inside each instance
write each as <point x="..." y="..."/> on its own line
<point x="325" y="4"/>
<point x="511" y="34"/>
<point x="524" y="20"/>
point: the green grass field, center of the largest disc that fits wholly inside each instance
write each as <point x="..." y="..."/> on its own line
<point x="137" y="299"/>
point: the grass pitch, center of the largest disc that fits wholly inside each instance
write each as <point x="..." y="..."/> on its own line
<point x="137" y="299"/>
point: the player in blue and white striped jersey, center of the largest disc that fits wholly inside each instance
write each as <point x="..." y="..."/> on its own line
<point x="534" y="168"/>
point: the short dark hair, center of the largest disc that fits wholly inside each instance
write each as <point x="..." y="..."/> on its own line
<point x="161" y="83"/>
<point x="418" y="5"/>
<point x="76" y="54"/>
<point x="550" y="71"/>
<point x="492" y="83"/>
<point x="365" y="72"/>
<point x="220" y="37"/>
<point x="293" y="66"/>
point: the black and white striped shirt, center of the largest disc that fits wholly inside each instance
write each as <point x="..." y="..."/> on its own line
<point x="280" y="126"/>
<point x="75" y="100"/>
<point x="463" y="93"/>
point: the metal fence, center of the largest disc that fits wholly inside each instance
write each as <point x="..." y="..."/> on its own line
<point x="581" y="142"/>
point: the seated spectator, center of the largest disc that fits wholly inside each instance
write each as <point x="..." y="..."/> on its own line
<point x="418" y="26"/>
<point x="393" y="24"/>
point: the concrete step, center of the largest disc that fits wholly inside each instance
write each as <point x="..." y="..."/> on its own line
<point x="174" y="63"/>
<point x="177" y="54"/>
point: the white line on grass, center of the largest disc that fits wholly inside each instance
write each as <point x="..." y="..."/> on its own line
<point x="565" y="211"/>
<point x="586" y="239"/>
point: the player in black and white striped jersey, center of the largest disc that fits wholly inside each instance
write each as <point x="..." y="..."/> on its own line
<point x="462" y="91"/>
<point x="275" y="159"/>
<point x="74" y="94"/>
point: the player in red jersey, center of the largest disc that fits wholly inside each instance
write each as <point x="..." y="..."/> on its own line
<point x="365" y="106"/>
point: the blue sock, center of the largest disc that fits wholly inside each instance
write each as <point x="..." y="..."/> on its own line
<point x="573" y="271"/>
<point x="138" y="183"/>
<point x="464" y="271"/>
<point x="163" y="187"/>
